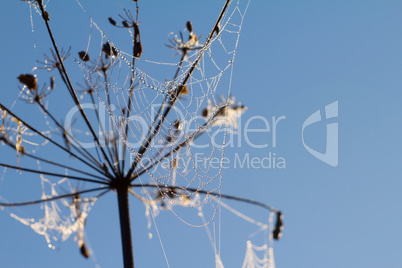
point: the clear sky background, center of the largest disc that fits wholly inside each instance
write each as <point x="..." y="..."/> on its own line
<point x="294" y="58"/>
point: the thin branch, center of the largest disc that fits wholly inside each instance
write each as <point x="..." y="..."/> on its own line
<point x="45" y="17"/>
<point x="175" y="95"/>
<point x="86" y="154"/>
<point x="116" y="156"/>
<point x="100" y="123"/>
<point x="225" y="196"/>
<point x="180" y="64"/>
<point x="128" y="112"/>
<point x="51" y="162"/>
<point x="130" y="95"/>
<point x="52" y="174"/>
<point x="126" y="118"/>
<point x="54" y="198"/>
<point x="101" y="194"/>
<point x="49" y="139"/>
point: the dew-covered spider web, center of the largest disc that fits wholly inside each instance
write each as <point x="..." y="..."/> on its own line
<point x="59" y="219"/>
<point x="132" y="95"/>
<point x="161" y="124"/>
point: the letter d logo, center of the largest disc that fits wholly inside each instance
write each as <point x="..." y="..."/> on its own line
<point x="330" y="156"/>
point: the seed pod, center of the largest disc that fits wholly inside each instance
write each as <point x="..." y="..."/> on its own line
<point x="217" y="29"/>
<point x="189" y="26"/>
<point x="83" y="55"/>
<point x="277" y="232"/>
<point x="137" y="49"/>
<point x="46" y="16"/>
<point x="177" y="125"/>
<point x="109" y="50"/>
<point x="52" y="84"/>
<point x="112" y="21"/>
<point x="29" y="80"/>
<point x="136" y="32"/>
<point x="205" y="112"/>
<point x="169" y="139"/>
<point x="125" y="24"/>
<point x="84" y="251"/>
<point x="22" y="150"/>
<point x="183" y="90"/>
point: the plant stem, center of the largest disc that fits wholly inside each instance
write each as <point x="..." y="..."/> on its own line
<point x="2" y="107"/>
<point x="199" y="191"/>
<point x="53" y="198"/>
<point x="125" y="227"/>
<point x="41" y="172"/>
<point x="79" y="149"/>
<point x="70" y="86"/>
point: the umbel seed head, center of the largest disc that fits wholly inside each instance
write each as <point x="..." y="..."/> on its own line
<point x="205" y="112"/>
<point x="110" y="51"/>
<point x="84" y="251"/>
<point x="83" y="56"/>
<point x="125" y="24"/>
<point x="112" y="21"/>
<point x="189" y="26"/>
<point x="46" y="16"/>
<point x="29" y="81"/>
<point x="277" y="232"/>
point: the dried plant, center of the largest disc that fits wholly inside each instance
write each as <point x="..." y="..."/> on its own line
<point x="109" y="148"/>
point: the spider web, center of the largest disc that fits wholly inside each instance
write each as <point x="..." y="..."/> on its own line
<point x="255" y="256"/>
<point x="165" y="162"/>
<point x="184" y="153"/>
<point x="60" y="218"/>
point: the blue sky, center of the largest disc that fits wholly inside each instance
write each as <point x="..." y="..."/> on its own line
<point x="293" y="59"/>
